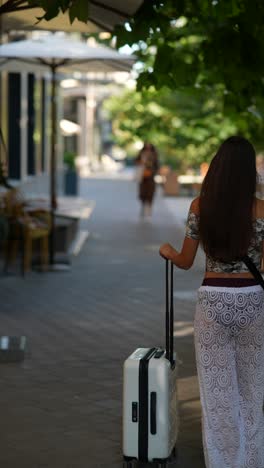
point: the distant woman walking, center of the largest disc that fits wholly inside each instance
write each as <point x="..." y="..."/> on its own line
<point x="147" y="161"/>
<point x="228" y="220"/>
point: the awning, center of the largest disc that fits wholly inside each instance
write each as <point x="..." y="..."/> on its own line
<point x="103" y="16"/>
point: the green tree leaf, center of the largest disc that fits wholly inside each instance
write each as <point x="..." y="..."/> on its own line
<point x="79" y="9"/>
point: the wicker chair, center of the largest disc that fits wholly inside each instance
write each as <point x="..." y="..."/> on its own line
<point x="24" y="228"/>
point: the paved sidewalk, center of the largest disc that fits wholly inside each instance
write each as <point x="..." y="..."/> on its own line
<point x="62" y="408"/>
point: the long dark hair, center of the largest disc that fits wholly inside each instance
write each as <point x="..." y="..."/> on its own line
<point x="226" y="200"/>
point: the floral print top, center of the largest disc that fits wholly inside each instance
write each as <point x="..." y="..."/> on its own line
<point x="254" y="251"/>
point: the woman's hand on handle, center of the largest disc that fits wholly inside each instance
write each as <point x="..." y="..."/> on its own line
<point x="167" y="251"/>
<point x="183" y="259"/>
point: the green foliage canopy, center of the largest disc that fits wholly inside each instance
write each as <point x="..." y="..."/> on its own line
<point x="202" y="43"/>
<point x="186" y="125"/>
<point x="205" y="61"/>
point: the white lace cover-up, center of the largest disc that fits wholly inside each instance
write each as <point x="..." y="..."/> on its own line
<point x="229" y="342"/>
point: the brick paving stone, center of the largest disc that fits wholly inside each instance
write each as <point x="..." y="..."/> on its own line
<point x="61" y="407"/>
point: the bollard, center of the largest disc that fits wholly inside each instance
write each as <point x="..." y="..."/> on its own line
<point x="12" y="348"/>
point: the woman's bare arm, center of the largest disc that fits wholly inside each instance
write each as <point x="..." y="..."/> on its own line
<point x="183" y="259"/>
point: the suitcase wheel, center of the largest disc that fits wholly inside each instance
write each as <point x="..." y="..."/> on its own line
<point x="174" y="452"/>
<point x="171" y="462"/>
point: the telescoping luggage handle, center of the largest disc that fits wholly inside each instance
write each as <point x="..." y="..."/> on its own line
<point x="169" y="312"/>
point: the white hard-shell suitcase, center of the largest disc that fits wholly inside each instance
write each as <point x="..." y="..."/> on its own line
<point x="150" y="413"/>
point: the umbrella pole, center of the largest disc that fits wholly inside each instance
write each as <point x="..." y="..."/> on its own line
<point x="53" y="168"/>
<point x="54" y="266"/>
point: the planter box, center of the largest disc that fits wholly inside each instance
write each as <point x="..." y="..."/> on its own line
<point x="71" y="182"/>
<point x="12" y="348"/>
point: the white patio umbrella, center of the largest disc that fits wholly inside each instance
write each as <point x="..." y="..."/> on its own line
<point x="68" y="55"/>
<point x="103" y="16"/>
<point x="69" y="128"/>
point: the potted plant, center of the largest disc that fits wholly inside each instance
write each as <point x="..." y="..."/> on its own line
<point x="71" y="176"/>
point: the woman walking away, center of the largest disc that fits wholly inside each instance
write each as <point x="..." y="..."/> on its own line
<point x="228" y="221"/>
<point x="147" y="160"/>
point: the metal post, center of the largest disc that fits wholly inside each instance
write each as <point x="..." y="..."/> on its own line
<point x="53" y="162"/>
